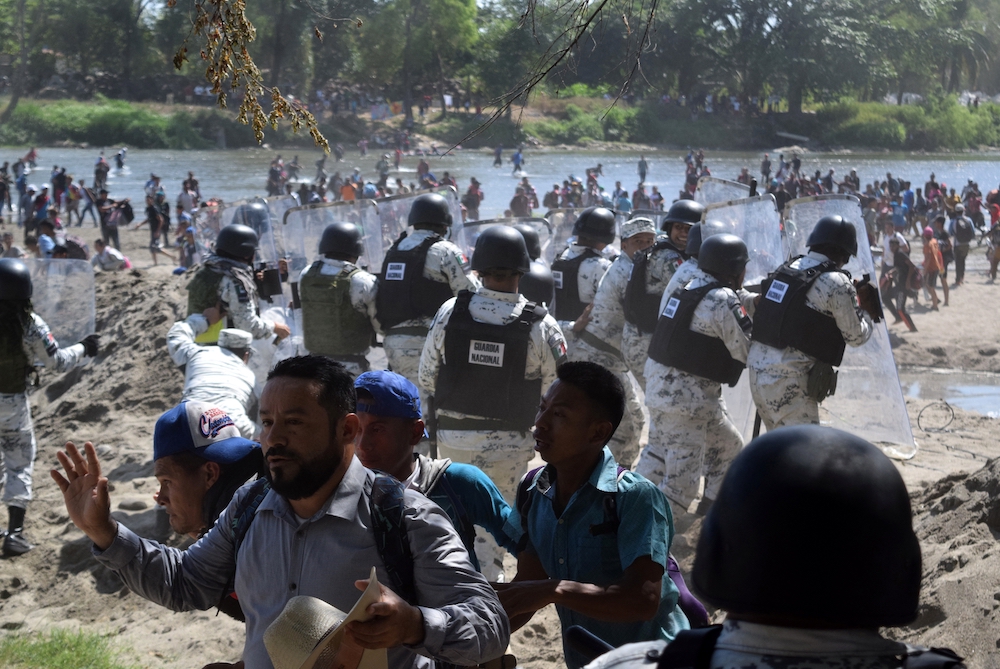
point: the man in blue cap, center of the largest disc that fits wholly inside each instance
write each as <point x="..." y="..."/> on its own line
<point x="391" y="426"/>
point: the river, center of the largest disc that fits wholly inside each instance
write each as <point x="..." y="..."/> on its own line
<point x="239" y="173"/>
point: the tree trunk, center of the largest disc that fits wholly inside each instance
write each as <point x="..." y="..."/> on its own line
<point x="276" y="55"/>
<point x="20" y="75"/>
<point x="444" y="107"/>
<point x="407" y="83"/>
<point x="795" y="87"/>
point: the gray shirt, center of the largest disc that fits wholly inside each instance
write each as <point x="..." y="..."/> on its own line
<point x="464" y="622"/>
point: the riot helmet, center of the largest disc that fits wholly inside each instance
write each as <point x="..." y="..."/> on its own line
<point x="501" y="247"/>
<point x="596" y="223"/>
<point x="835" y="231"/>
<point x="237" y="242"/>
<point x="723" y="255"/>
<point x="773" y="542"/>
<point x="341" y="241"/>
<point x="688" y="212"/>
<point x="15" y="280"/>
<point x="531" y="239"/>
<point x="430" y="209"/>
<point x="538" y="285"/>
<point x="702" y="231"/>
<point x="254" y="215"/>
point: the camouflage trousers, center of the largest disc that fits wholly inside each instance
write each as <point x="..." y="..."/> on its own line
<point x="17" y="449"/>
<point x="624" y="444"/>
<point x="403" y="353"/>
<point x="635" y="350"/>
<point x="689" y="450"/>
<point x="504" y="457"/>
<point x="781" y="399"/>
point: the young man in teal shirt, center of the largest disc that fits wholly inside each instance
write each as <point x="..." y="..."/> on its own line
<point x="604" y="570"/>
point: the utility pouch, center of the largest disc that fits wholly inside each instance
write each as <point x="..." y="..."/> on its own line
<point x="822" y="382"/>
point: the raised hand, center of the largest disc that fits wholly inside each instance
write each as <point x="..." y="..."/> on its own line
<point x="85" y="493"/>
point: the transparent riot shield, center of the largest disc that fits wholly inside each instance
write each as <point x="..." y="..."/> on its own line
<point x="210" y="219"/>
<point x="756" y="221"/>
<point x="394" y="211"/>
<point x="869" y="400"/>
<point x="63" y="296"/>
<point x="561" y="222"/>
<point x="474" y="228"/>
<point x="711" y="190"/>
<point x="303" y="228"/>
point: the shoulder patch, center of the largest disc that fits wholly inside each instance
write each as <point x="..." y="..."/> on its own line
<point x="241" y="292"/>
<point x="742" y="317"/>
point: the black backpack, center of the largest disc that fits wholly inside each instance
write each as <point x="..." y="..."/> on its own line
<point x="964" y="232"/>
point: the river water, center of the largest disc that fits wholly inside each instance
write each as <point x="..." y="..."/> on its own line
<point x="240" y="173"/>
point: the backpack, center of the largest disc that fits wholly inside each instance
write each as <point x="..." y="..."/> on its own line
<point x="695" y="611"/>
<point x="126" y="209"/>
<point x="964" y="232"/>
<point x="692" y="649"/>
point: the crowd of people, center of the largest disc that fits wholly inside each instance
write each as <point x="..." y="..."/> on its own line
<point x="422" y="470"/>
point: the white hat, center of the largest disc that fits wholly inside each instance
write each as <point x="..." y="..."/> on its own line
<point x="637" y="225"/>
<point x="310" y="633"/>
<point x="233" y="338"/>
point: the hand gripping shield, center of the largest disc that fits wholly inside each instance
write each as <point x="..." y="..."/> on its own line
<point x="474" y="228"/>
<point x="869" y="400"/>
<point x="711" y="190"/>
<point x="64" y="297"/>
<point x="756" y="221"/>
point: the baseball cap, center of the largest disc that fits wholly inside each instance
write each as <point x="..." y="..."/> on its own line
<point x="235" y="338"/>
<point x="202" y="429"/>
<point x="395" y="396"/>
<point x="635" y="226"/>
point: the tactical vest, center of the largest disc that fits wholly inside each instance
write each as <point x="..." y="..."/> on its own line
<point x="482" y="373"/>
<point x="14" y="367"/>
<point x="404" y="293"/>
<point x="566" y="273"/>
<point x="203" y="290"/>
<point x="331" y="326"/>
<point x="676" y="345"/>
<point x="783" y="318"/>
<point x="641" y="307"/>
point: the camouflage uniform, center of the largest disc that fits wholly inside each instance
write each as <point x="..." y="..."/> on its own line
<point x="241" y="307"/>
<point x="778" y="377"/>
<point x="588" y="278"/>
<point x="691" y="436"/>
<point x="503" y="455"/>
<point x="683" y="274"/>
<point x="635" y="345"/>
<point x="17" y="436"/>
<point x="447" y="264"/>
<point x="606" y="320"/>
<point x="742" y="644"/>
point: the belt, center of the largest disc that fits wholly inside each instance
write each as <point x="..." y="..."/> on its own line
<point x="355" y="359"/>
<point x="476" y="424"/>
<point x="599" y="344"/>
<point x="411" y="331"/>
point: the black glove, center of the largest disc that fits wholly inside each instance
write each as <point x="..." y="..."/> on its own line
<point x="90" y="345"/>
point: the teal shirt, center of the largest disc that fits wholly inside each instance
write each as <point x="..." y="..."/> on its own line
<point x="568" y="550"/>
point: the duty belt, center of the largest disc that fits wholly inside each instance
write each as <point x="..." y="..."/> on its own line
<point x="476" y="424"/>
<point x="599" y="344"/>
<point x="410" y="331"/>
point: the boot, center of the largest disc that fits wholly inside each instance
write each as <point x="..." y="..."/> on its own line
<point x="14" y="542"/>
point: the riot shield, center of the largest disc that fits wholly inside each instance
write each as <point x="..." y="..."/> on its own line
<point x="303" y="228"/>
<point x="474" y="228"/>
<point x="711" y="190"/>
<point x="869" y="400"/>
<point x="394" y="211"/>
<point x="63" y="296"/>
<point x="756" y="221"/>
<point x="561" y="222"/>
<point x="210" y="219"/>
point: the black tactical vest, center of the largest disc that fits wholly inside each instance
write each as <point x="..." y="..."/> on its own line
<point x="784" y="319"/>
<point x="482" y="373"/>
<point x="404" y="293"/>
<point x="641" y="307"/>
<point x="569" y="307"/>
<point x="676" y="345"/>
<point x="14" y="366"/>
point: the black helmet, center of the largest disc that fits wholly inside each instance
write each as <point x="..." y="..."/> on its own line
<point x="531" y="239"/>
<point x="835" y="231"/>
<point x="430" y="209"/>
<point x="501" y="247"/>
<point x="15" y="280"/>
<point x="701" y="231"/>
<point x="682" y="211"/>
<point x="237" y="241"/>
<point x="253" y="214"/>
<point x="596" y="223"/>
<point x="773" y="542"/>
<point x="723" y="254"/>
<point x="341" y="240"/>
<point x="537" y="285"/>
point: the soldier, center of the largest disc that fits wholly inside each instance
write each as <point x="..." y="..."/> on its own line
<point x="808" y="314"/>
<point x="578" y="270"/>
<point x="419" y="273"/>
<point x="488" y="356"/>
<point x="652" y="272"/>
<point x="771" y="554"/>
<point x="700" y="342"/>
<point x="24" y="337"/>
<point x="601" y="338"/>
<point x="698" y="233"/>
<point x="338" y="300"/>
<point x="537" y="285"/>
<point x="226" y="279"/>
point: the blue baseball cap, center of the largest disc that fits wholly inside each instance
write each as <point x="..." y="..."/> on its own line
<point x="202" y="429"/>
<point x="395" y="396"/>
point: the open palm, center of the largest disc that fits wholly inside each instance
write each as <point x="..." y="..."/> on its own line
<point x="85" y="493"/>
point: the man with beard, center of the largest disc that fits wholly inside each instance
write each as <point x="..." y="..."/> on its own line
<point x="318" y="512"/>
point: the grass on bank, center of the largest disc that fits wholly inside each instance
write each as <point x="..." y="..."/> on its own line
<point x="59" y="650"/>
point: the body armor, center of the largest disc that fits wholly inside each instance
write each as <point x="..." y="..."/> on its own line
<point x="331" y="326"/>
<point x="569" y="307"/>
<point x="641" y="307"/>
<point x="404" y="293"/>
